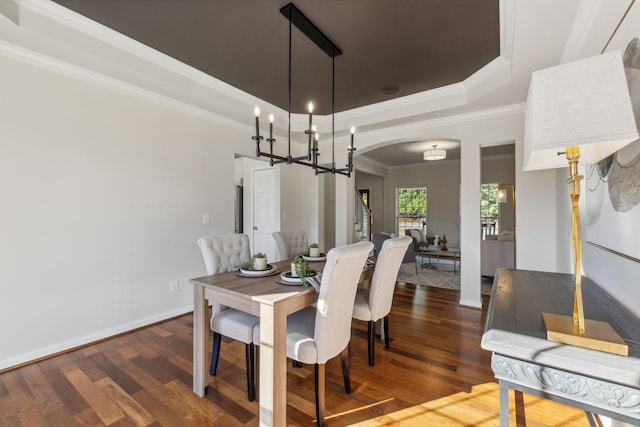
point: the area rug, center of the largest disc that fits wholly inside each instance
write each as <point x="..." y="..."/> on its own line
<point x="437" y="275"/>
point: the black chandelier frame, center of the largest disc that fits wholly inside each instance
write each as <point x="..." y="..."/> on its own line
<point x="297" y="18"/>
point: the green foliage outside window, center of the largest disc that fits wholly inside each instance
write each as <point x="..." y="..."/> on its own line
<point x="412" y="209"/>
<point x="412" y="202"/>
<point x="489" y="202"/>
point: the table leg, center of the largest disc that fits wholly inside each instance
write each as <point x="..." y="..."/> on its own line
<point x="519" y="405"/>
<point x="200" y="332"/>
<point x="273" y="366"/>
<point x="504" y="405"/>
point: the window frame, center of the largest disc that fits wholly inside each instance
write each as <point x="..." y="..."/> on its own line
<point x="417" y="220"/>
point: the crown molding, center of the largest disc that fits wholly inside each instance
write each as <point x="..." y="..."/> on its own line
<point x="142" y="71"/>
<point x="418" y="130"/>
<point x="414" y="107"/>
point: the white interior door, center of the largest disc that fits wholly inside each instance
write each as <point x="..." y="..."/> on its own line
<point x="265" y="212"/>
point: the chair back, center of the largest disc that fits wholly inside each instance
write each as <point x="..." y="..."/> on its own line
<point x="384" y="276"/>
<point x="223" y="252"/>
<point x="290" y="243"/>
<point x="340" y="278"/>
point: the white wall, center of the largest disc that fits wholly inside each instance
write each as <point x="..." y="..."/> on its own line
<point x="535" y="204"/>
<point x="329" y="193"/>
<point x="615" y="274"/>
<point x="442" y="179"/>
<point x="103" y="196"/>
<point x="299" y="200"/>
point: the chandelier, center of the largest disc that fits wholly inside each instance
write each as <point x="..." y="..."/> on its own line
<point x="435" y="154"/>
<point x="307" y="27"/>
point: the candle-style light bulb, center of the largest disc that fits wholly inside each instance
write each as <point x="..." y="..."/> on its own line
<point x="257" y="111"/>
<point x="270" y="118"/>
<point x="310" y="115"/>
<point x="351" y="149"/>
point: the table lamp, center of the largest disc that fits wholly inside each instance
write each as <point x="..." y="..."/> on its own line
<point x="578" y="111"/>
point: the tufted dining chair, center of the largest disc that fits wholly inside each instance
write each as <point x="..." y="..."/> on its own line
<point x="374" y="302"/>
<point x="222" y="253"/>
<point x="290" y="243"/>
<point x="317" y="334"/>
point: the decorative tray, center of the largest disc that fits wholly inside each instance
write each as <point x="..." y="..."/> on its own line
<point x="270" y="271"/>
<point x="322" y="257"/>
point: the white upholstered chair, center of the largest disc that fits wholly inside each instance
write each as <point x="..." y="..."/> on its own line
<point x="317" y="334"/>
<point x="222" y="253"/>
<point x="290" y="243"/>
<point x="374" y="303"/>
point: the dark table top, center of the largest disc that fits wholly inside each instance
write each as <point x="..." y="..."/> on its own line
<point x="515" y="326"/>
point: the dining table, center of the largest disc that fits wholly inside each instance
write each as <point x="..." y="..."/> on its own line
<point x="268" y="298"/>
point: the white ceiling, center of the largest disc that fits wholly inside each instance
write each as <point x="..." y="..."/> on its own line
<point x="534" y="34"/>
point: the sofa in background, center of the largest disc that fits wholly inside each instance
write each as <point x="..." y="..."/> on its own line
<point x="420" y="241"/>
<point x="497" y="251"/>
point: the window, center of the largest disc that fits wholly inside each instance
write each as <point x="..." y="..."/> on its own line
<point x="489" y="209"/>
<point x="411" y="209"/>
<point x="365" y="197"/>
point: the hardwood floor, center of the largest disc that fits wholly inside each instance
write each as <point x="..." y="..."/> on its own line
<point x="435" y="374"/>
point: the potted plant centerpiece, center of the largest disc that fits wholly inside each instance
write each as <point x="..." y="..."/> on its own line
<point x="314" y="250"/>
<point x="260" y="261"/>
<point x="300" y="269"/>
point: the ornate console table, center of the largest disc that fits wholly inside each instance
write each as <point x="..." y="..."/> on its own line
<point x="524" y="360"/>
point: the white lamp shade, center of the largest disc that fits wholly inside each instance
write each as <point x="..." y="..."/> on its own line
<point x="501" y="196"/>
<point x="434" y="154"/>
<point x="585" y="103"/>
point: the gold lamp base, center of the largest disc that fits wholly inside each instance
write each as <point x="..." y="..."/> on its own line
<point x="598" y="335"/>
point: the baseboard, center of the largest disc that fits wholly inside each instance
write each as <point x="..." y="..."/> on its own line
<point x="44" y="352"/>
<point x="470" y="303"/>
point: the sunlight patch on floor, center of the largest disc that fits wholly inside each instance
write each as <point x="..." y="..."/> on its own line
<point x="480" y="407"/>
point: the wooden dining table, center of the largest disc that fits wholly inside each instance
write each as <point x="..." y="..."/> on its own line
<point x="262" y="296"/>
<point x="272" y="302"/>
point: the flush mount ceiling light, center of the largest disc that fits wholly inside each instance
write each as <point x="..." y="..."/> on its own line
<point x="435" y="154"/>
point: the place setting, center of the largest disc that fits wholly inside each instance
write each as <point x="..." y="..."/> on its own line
<point x="257" y="267"/>
<point x="300" y="273"/>
<point x="314" y="254"/>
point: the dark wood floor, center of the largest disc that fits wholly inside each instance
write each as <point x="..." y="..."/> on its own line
<point x="434" y="374"/>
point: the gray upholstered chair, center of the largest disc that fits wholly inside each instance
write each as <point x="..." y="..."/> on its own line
<point x="290" y="243"/>
<point x="317" y="334"/>
<point x="409" y="255"/>
<point x="378" y="240"/>
<point x="374" y="303"/>
<point x="222" y="253"/>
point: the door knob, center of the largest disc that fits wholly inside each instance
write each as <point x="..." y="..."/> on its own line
<point x="255" y="228"/>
